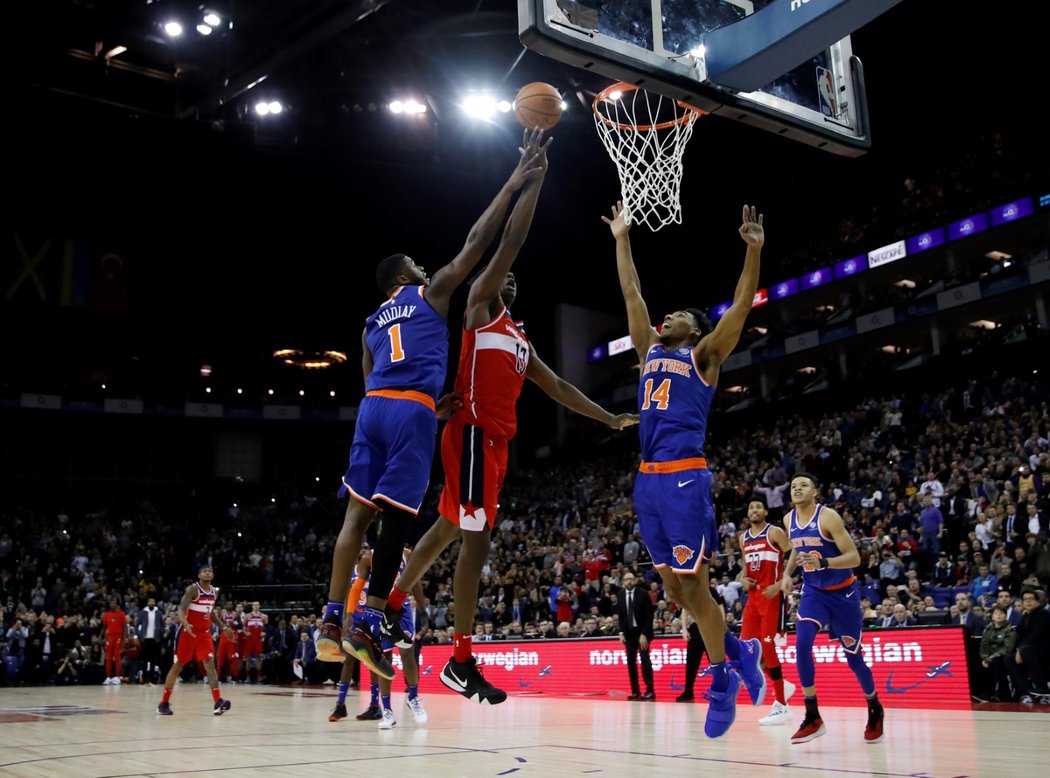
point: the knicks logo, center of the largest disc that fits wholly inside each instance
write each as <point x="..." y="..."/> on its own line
<point x="682" y="554"/>
<point x="848" y="642"/>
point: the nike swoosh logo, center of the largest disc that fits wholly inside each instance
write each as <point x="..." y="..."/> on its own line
<point x="457" y="679"/>
<point x="685" y="483"/>
<point x="850" y="595"/>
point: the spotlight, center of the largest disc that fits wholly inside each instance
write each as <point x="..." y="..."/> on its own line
<point x="212" y="19"/>
<point x="204" y="29"/>
<point x="174" y="29"/>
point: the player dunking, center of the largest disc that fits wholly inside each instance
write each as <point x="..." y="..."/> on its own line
<point x="762" y="547"/>
<point x="672" y="490"/>
<point x="196" y="614"/>
<point x="405" y="360"/>
<point x="829" y="599"/>
<point x="495" y="359"/>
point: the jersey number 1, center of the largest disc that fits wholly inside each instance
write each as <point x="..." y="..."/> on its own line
<point x="396" y="352"/>
<point x="660" y="395"/>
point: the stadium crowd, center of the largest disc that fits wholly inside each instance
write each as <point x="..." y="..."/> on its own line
<point x="946" y="495"/>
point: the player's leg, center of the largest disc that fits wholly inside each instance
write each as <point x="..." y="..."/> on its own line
<point x="847" y="624"/>
<point x="771" y="625"/>
<point x="410" y="669"/>
<point x="482" y="466"/>
<point x="813" y="614"/>
<point x="164" y="709"/>
<point x="345" y="674"/>
<point x="344" y="557"/>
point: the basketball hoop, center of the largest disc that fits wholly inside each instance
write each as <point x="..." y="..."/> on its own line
<point x="645" y="133"/>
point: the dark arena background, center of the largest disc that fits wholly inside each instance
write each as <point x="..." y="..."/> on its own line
<point x="183" y="288"/>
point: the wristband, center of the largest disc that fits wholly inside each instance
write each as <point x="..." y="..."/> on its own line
<point x="823" y="563"/>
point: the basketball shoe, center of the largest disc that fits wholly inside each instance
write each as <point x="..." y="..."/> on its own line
<point x="164" y="709"/>
<point x="327" y="643"/>
<point x="388" y="721"/>
<point x="873" y="730"/>
<point x="221" y="707"/>
<point x="390" y="627"/>
<point x="365" y="646"/>
<point x="338" y="713"/>
<point x="466" y="678"/>
<point x="750" y="669"/>
<point x="780" y="714"/>
<point x="812" y="728"/>
<point x="418" y="713"/>
<point x="721" y="709"/>
<point x="371" y="713"/>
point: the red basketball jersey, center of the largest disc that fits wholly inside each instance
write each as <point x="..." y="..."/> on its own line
<point x="199" y="612"/>
<point x="492" y="366"/>
<point x="763" y="561"/>
<point x="255" y="624"/>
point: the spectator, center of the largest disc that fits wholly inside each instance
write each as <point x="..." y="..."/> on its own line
<point x="1032" y="655"/>
<point x="636" y="632"/>
<point x="997" y="655"/>
<point x="902" y="617"/>
<point x="931" y="528"/>
<point x="984" y="586"/>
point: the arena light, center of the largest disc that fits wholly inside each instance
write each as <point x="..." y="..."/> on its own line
<point x="268" y="108"/>
<point x="203" y="29"/>
<point x="480" y="106"/>
<point x="173" y="29"/>
<point x="410" y="107"/>
<point x="504" y="106"/>
<point x="984" y="324"/>
<point x="116" y="51"/>
<point x="212" y="18"/>
<point x="808" y="370"/>
<point x="905" y="283"/>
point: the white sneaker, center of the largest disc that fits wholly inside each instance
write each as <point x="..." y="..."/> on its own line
<point x="780" y="714"/>
<point x="789" y="689"/>
<point x="109" y="681"/>
<point x="417" y="710"/>
<point x="387" y="722"/>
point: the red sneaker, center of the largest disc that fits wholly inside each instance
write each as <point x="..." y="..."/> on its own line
<point x="873" y="731"/>
<point x="328" y="643"/>
<point x="811" y="729"/>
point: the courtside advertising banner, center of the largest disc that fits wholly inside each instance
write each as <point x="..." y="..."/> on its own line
<point x="913" y="668"/>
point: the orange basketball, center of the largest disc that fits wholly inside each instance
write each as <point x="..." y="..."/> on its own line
<point x="538" y="105"/>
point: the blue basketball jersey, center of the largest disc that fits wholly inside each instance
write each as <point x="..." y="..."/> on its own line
<point x="409" y="344"/>
<point x="810" y="538"/>
<point x="673" y="402"/>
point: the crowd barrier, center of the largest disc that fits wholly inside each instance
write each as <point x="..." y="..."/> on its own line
<point x="922" y="667"/>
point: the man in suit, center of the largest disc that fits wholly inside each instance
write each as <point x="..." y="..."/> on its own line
<point x="635" y="611"/>
<point x="149" y="626"/>
<point x="1032" y="655"/>
<point x="305" y="654"/>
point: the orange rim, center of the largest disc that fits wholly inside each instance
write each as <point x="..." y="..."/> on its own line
<point x="690" y="111"/>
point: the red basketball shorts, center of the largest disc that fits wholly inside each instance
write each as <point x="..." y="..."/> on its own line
<point x="475" y="465"/>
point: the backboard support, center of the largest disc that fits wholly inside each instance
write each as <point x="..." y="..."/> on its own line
<point x="658" y="45"/>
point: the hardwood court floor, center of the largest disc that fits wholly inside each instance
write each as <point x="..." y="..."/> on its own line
<point x="274" y="731"/>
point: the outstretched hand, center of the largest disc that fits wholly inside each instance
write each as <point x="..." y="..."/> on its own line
<point x="618" y="224"/>
<point x="623" y="421"/>
<point x="751" y="229"/>
<point x="532" y="162"/>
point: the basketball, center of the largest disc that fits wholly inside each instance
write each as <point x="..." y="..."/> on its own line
<point x="538" y="105"/>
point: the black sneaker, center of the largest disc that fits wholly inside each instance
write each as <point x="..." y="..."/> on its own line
<point x="372" y="713"/>
<point x="221" y="707"/>
<point x="390" y="627"/>
<point x="362" y="644"/>
<point x="164" y="709"/>
<point x="466" y="678"/>
<point x="338" y="714"/>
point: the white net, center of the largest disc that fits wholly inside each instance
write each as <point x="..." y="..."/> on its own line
<point x="646" y="133"/>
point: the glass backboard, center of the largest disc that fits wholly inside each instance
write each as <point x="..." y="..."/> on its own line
<point x="656" y="45"/>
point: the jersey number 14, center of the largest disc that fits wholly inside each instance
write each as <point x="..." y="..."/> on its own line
<point x="659" y="396"/>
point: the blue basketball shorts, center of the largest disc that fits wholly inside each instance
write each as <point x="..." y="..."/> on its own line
<point x="838" y="610"/>
<point x="676" y="517"/>
<point x="392" y="452"/>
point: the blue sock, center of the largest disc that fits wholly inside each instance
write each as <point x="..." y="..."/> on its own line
<point x="386" y="702"/>
<point x="733" y="647"/>
<point x="719" y="677"/>
<point x="375" y="695"/>
<point x="413" y="690"/>
<point x="333" y="613"/>
<point x="343" y="686"/>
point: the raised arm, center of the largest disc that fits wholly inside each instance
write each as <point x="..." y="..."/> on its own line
<point x="719" y="344"/>
<point x="643" y="336"/>
<point x="445" y="280"/>
<point x="486" y="288"/>
<point x="567" y="395"/>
